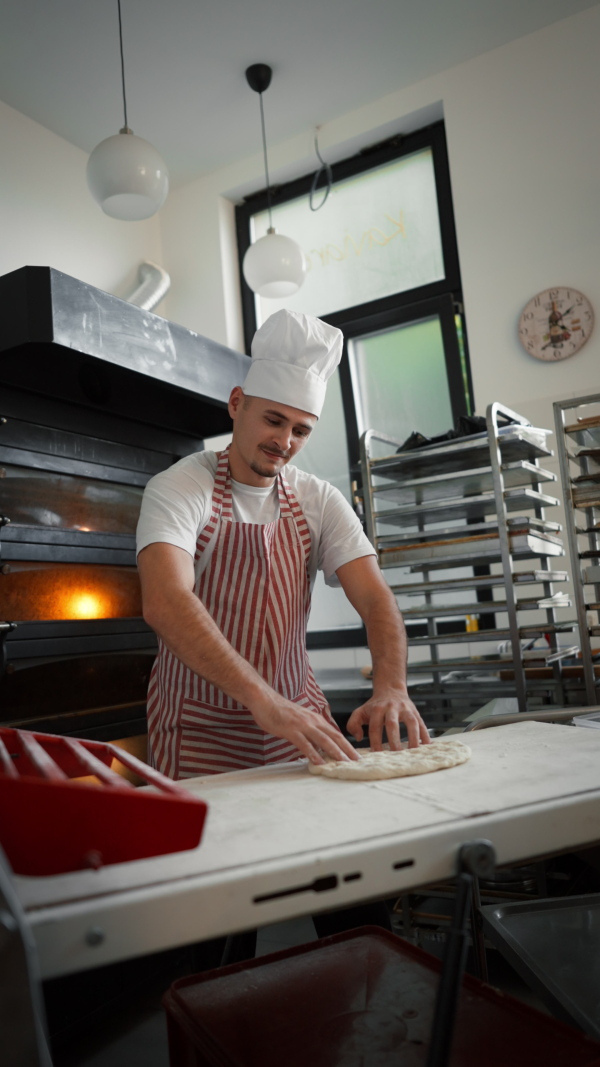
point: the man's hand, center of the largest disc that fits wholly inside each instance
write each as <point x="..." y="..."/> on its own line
<point x="388" y="710"/>
<point x="309" y="732"/>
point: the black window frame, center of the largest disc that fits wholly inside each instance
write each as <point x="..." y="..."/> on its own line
<point x="442" y="298"/>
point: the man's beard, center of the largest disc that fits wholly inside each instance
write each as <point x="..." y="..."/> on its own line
<point x="258" y="469"/>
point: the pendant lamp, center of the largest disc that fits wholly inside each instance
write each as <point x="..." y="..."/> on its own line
<point x="126" y="175"/>
<point x="274" y="266"/>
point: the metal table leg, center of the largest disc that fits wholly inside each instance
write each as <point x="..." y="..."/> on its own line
<point x="475" y="860"/>
<point x="22" y="1019"/>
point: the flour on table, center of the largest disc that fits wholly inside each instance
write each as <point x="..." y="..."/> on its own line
<point x="371" y="766"/>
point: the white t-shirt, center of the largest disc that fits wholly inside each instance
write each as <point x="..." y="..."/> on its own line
<point x="177" y="505"/>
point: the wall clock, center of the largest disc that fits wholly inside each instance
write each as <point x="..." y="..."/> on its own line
<point x="555" y="324"/>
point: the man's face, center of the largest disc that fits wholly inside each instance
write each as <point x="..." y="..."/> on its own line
<point x="266" y="436"/>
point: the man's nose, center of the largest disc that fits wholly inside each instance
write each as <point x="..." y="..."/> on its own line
<point x="283" y="436"/>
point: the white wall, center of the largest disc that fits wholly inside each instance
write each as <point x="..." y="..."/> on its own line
<point x="48" y="218"/>
<point x="524" y="153"/>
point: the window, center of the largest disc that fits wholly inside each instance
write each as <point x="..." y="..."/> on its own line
<point x="383" y="266"/>
<point x="377" y="234"/>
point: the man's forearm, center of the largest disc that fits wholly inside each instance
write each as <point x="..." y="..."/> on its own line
<point x="190" y="633"/>
<point x="386" y="637"/>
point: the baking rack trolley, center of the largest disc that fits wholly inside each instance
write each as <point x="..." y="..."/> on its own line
<point x="280" y="842"/>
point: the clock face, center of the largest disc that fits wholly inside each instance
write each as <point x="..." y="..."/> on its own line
<point x="555" y="324"/>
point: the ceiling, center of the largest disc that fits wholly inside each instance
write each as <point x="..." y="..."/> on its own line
<point x="185" y="62"/>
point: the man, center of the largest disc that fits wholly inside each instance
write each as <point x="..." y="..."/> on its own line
<point x="228" y="549"/>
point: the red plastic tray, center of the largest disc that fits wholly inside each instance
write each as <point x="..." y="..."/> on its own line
<point x="51" y="823"/>
<point x="359" y="999"/>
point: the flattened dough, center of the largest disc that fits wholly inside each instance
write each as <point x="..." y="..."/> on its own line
<point x="387" y="764"/>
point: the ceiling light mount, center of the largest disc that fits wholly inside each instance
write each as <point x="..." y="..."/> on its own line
<point x="259" y="77"/>
<point x="274" y="266"/>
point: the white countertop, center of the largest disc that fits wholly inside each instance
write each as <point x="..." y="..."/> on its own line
<point x="530" y="788"/>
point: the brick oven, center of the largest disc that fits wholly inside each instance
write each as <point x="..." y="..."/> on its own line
<point x="96" y="396"/>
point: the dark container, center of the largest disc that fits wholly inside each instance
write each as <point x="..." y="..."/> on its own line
<point x="359" y="999"/>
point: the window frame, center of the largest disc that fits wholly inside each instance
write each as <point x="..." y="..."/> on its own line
<point x="367" y="159"/>
<point x="442" y="297"/>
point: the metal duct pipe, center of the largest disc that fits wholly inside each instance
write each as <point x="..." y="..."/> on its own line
<point x="154" y="284"/>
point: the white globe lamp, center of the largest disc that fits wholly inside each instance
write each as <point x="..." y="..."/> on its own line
<point x="274" y="266"/>
<point x="127" y="177"/>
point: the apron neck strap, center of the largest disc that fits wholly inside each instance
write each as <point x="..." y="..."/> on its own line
<point x="222" y="490"/>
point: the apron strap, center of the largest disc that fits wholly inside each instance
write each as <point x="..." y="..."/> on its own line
<point x="220" y="505"/>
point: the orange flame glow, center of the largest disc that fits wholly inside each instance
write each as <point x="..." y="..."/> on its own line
<point x="84" y="605"/>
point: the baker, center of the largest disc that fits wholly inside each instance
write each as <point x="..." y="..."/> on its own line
<point x="228" y="548"/>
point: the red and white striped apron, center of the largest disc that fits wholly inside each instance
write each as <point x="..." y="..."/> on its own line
<point x="256" y="588"/>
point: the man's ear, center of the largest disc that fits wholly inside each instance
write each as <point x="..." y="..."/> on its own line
<point x="236" y="400"/>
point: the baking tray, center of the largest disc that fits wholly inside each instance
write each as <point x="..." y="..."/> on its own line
<point x="470" y="507"/>
<point x="467" y="483"/>
<point x="484" y="607"/>
<point x="586" y="432"/>
<point x="500" y="634"/>
<point x="467" y="552"/>
<point x="586" y="497"/>
<point x="516" y="443"/>
<point x="491" y="665"/>
<point x="520" y="522"/>
<point x="554" y="944"/>
<point x="484" y="581"/>
<point x="463" y="535"/>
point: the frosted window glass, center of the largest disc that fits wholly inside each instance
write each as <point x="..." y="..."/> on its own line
<point x="377" y="234"/>
<point x="325" y="454"/>
<point x="400" y="380"/>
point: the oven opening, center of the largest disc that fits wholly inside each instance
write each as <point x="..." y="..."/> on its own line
<point x="31" y="591"/>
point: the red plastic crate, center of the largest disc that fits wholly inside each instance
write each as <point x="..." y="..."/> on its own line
<point x="359" y="999"/>
<point x="51" y="823"/>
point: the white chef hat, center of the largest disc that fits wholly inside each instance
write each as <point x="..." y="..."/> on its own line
<point x="293" y="356"/>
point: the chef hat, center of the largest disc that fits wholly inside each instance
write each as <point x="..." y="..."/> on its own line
<point x="293" y="356"/>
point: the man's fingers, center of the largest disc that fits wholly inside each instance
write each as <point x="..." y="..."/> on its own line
<point x="355" y="723"/>
<point x="376" y="733"/>
<point x="392" y="729"/>
<point x="316" y="737"/>
<point x="336" y="745"/>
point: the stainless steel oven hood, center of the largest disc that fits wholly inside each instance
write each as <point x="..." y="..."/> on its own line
<point x="62" y="338"/>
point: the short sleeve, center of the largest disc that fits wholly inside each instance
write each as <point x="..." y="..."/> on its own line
<point x="176" y="506"/>
<point x="342" y="537"/>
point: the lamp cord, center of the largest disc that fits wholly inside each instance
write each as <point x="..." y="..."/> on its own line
<point x="264" y="139"/>
<point x="122" y="64"/>
<point x="328" y="172"/>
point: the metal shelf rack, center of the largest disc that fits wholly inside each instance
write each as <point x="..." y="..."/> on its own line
<point x="578" y="442"/>
<point x="441" y="517"/>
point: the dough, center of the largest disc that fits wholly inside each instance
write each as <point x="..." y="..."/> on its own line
<point x="388" y="764"/>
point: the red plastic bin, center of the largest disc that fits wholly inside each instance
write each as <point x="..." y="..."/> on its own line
<point x="359" y="999"/>
<point x="51" y="822"/>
